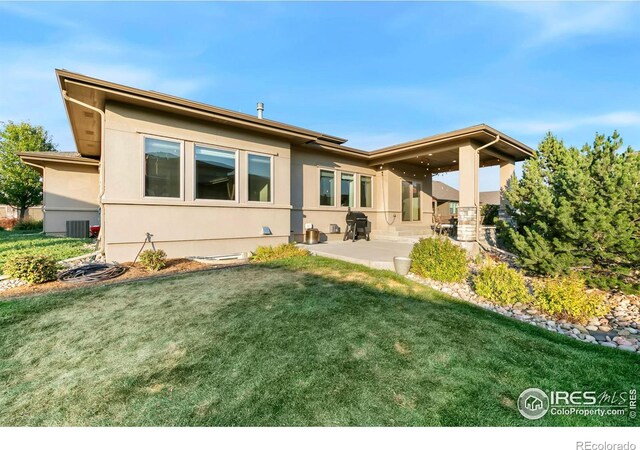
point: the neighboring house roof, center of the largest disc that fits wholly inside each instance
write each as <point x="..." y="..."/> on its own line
<point x="80" y="89"/>
<point x="443" y="192"/>
<point x="490" y="198"/>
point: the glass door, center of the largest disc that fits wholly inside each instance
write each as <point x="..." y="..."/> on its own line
<point x="411" y="201"/>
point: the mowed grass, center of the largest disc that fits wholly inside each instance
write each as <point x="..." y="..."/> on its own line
<point x="307" y="341"/>
<point x="14" y="243"/>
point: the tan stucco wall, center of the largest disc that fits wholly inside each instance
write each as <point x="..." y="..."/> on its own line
<point x="387" y="189"/>
<point x="70" y="193"/>
<point x="186" y="226"/>
<point x="305" y="191"/>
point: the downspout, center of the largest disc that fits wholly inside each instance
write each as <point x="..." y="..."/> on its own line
<point x="476" y="188"/>
<point x="101" y="165"/>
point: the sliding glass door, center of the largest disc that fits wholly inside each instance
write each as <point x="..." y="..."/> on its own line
<point x="411" y="201"/>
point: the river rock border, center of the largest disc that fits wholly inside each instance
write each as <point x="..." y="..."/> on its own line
<point x="617" y="329"/>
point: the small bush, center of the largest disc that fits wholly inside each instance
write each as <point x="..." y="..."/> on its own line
<point x="34" y="269"/>
<point x="269" y="253"/>
<point x="566" y="297"/>
<point x="501" y="284"/>
<point x="153" y="260"/>
<point x="31" y="225"/>
<point x="8" y="223"/>
<point x="439" y="259"/>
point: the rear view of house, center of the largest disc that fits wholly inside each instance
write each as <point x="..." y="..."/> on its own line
<point x="205" y="180"/>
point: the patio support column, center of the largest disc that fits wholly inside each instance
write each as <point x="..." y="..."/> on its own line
<point x="507" y="170"/>
<point x="469" y="197"/>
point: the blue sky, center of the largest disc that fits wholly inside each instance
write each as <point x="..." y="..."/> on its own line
<point x="374" y="73"/>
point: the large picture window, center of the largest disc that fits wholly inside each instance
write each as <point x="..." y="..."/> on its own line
<point x="162" y="168"/>
<point x="365" y="192"/>
<point x="347" y="190"/>
<point x="259" y="178"/>
<point x="327" y="188"/>
<point x="215" y="174"/>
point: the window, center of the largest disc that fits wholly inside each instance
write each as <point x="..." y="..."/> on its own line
<point x="162" y="168"/>
<point x="327" y="188"/>
<point x="365" y="191"/>
<point x="453" y="207"/>
<point x="259" y="178"/>
<point x="215" y="174"/>
<point x="347" y="190"/>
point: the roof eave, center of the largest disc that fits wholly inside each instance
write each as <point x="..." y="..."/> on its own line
<point x="264" y="125"/>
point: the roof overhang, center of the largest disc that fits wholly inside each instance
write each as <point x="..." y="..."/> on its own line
<point x="438" y="152"/>
<point x="85" y="123"/>
<point x="39" y="160"/>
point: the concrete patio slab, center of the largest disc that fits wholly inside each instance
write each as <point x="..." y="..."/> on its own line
<point x="375" y="254"/>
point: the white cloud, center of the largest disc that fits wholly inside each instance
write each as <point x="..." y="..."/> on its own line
<point x="32" y="92"/>
<point x="555" y="21"/>
<point x="608" y="120"/>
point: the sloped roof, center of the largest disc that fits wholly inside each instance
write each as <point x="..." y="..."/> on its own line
<point x="490" y="198"/>
<point x="443" y="192"/>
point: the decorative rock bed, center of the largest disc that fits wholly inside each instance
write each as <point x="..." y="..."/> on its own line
<point x="617" y="329"/>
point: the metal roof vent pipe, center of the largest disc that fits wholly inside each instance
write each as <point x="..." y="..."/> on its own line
<point x="260" y="108"/>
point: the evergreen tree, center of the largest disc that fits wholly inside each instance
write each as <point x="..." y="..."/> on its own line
<point x="577" y="208"/>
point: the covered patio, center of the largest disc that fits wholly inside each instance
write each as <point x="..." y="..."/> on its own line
<point x="467" y="150"/>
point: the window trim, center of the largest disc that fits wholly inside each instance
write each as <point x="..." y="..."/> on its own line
<point x="143" y="170"/>
<point x="371" y="177"/>
<point x="355" y="189"/>
<point x="235" y="152"/>
<point x="335" y="188"/>
<point x="271" y="179"/>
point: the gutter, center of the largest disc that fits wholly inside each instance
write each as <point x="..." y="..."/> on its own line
<point x="476" y="194"/>
<point x="101" y="240"/>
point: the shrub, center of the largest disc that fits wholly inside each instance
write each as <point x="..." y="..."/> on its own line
<point x="35" y="225"/>
<point x="153" y="260"/>
<point x="501" y="284"/>
<point x="439" y="259"/>
<point x="269" y="253"/>
<point x="8" y="223"/>
<point x="34" y="269"/>
<point x="566" y="297"/>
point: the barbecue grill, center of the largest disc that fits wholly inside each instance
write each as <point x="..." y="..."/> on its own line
<point x="357" y="225"/>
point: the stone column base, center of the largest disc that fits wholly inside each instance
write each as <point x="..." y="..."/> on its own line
<point x="467" y="223"/>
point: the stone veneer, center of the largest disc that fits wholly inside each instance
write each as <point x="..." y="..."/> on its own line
<point x="467" y="223"/>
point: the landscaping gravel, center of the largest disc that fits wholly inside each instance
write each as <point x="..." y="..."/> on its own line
<point x="617" y="329"/>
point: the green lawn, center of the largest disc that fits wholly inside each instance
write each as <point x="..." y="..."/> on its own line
<point x="309" y="341"/>
<point x="31" y="242"/>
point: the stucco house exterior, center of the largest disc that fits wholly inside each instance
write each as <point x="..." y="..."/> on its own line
<point x="207" y="181"/>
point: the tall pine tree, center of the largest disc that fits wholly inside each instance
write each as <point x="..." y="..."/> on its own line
<point x="577" y="208"/>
